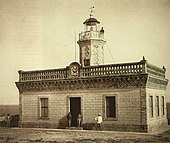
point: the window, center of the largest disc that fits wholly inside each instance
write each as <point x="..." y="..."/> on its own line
<point x="163" y="105"/>
<point x="110" y="107"/>
<point x="44" y="107"/>
<point x="86" y="62"/>
<point x="151" y="105"/>
<point x="157" y="105"/>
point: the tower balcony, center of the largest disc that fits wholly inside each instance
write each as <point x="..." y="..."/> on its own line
<point x="91" y="35"/>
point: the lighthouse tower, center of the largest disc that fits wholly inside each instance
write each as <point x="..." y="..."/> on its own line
<point x="91" y="43"/>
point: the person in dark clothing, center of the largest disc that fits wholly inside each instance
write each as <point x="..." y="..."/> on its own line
<point x="8" y="120"/>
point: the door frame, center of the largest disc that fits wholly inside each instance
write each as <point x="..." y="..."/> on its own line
<point x="81" y="103"/>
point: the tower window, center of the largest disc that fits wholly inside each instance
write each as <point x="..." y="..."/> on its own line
<point x="86" y="62"/>
<point x="91" y="28"/>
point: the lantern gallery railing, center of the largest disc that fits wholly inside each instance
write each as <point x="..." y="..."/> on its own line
<point x="93" y="71"/>
<point x="90" y="34"/>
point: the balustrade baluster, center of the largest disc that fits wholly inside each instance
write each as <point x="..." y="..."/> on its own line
<point x="125" y="69"/>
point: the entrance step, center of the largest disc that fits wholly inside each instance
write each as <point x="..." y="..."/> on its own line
<point x="74" y="128"/>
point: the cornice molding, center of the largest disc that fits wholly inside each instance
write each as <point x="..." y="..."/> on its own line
<point x="157" y="83"/>
<point x="83" y="83"/>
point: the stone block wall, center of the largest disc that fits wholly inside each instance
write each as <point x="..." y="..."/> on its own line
<point x="156" y="121"/>
<point x="128" y="109"/>
<point x="132" y="109"/>
<point x="57" y="109"/>
<point x="129" y="106"/>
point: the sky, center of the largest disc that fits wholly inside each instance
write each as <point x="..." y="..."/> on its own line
<point x="40" y="34"/>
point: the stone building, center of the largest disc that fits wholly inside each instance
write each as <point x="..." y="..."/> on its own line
<point x="129" y="96"/>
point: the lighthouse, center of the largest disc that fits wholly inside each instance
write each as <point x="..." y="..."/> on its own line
<point x="91" y="43"/>
<point x="129" y="96"/>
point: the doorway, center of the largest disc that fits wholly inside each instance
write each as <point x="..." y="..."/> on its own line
<point x="75" y="109"/>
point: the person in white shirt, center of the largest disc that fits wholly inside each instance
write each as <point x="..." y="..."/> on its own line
<point x="99" y="121"/>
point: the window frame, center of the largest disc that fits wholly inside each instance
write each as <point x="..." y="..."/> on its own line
<point x="151" y="108"/>
<point x="163" y="105"/>
<point x="105" y="108"/>
<point x="45" y="107"/>
<point x="86" y="62"/>
<point x="157" y="106"/>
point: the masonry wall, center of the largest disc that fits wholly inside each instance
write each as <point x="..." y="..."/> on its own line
<point x="129" y="116"/>
<point x="156" y="121"/>
<point x="31" y="109"/>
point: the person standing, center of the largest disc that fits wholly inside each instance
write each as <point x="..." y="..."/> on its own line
<point x="79" y="119"/>
<point x="99" y="121"/>
<point x="8" y="121"/>
<point x="69" y="117"/>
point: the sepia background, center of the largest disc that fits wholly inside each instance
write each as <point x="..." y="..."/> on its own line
<point x="40" y="34"/>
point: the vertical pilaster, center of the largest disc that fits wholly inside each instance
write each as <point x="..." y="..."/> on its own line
<point x="143" y="108"/>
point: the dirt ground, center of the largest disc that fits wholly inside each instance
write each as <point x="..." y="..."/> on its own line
<point x="30" y="135"/>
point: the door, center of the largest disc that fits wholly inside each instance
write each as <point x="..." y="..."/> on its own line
<point x="75" y="109"/>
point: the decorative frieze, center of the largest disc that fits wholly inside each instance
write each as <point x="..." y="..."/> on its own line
<point x="83" y="83"/>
